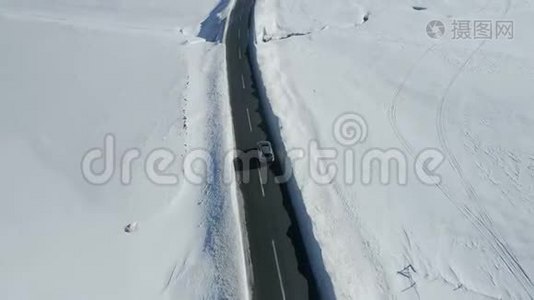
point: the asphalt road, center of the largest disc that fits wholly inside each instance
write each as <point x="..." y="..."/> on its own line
<point x="280" y="266"/>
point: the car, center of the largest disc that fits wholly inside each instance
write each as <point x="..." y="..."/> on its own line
<point x="265" y="152"/>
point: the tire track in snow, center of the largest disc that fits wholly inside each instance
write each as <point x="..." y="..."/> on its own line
<point x="479" y="219"/>
<point x="392" y="113"/>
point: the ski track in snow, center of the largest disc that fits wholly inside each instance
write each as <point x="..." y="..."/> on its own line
<point x="477" y="214"/>
<point x="496" y="271"/>
<point x="472" y="211"/>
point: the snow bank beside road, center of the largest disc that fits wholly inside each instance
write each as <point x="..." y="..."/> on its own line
<point x="466" y="238"/>
<point x="162" y="14"/>
<point x="72" y="72"/>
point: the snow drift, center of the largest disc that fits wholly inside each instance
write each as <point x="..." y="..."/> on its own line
<point x="467" y="237"/>
<point x="73" y="72"/>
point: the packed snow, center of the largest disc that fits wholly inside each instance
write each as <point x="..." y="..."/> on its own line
<point x="467" y="237"/>
<point x="74" y="71"/>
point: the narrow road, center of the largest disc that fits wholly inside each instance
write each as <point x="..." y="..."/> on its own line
<point x="280" y="266"/>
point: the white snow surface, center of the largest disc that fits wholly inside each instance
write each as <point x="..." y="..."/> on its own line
<point x="469" y="237"/>
<point x="72" y="72"/>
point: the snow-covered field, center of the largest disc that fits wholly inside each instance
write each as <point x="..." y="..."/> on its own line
<point x="72" y="72"/>
<point x="468" y="237"/>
